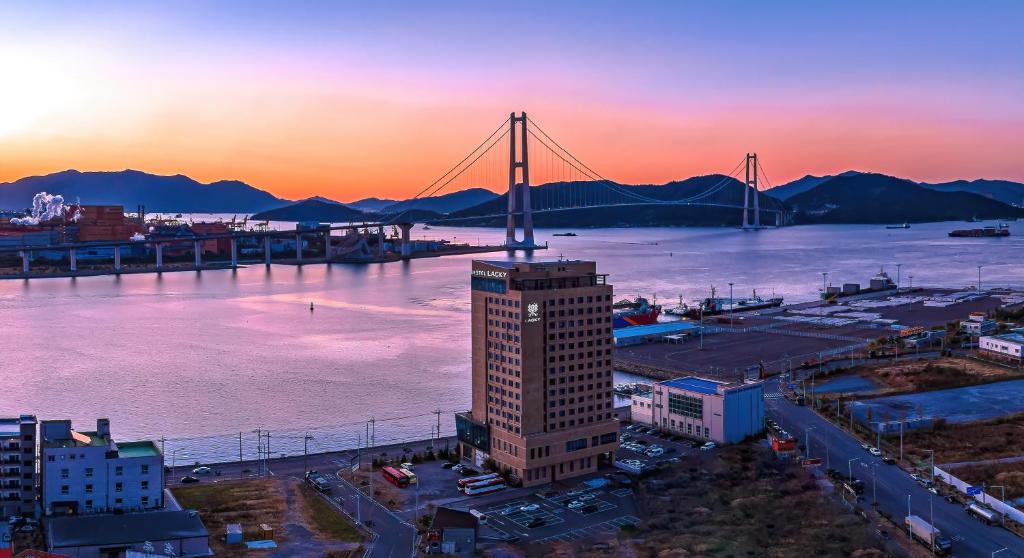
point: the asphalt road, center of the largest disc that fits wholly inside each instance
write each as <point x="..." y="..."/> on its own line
<point x="836" y="447"/>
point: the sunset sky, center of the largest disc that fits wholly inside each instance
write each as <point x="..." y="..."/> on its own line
<point x="357" y="99"/>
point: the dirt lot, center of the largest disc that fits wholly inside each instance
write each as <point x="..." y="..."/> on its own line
<point x="991" y="439"/>
<point x="741" y="502"/>
<point x="924" y="375"/>
<point x="304" y="524"/>
<point x="1010" y="475"/>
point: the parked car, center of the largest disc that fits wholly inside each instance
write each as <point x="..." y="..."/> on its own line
<point x="888" y="460"/>
<point x="589" y="508"/>
<point x="586" y="497"/>
<point x="575" y="505"/>
<point x="708" y="446"/>
<point x="189" y="479"/>
<point x="447" y="465"/>
<point x="875" y="451"/>
<point x="537" y="521"/>
<point x="529" y="508"/>
<point x="202" y="471"/>
<point x="865" y="447"/>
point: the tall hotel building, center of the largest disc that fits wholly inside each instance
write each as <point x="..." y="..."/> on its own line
<point x="542" y="370"/>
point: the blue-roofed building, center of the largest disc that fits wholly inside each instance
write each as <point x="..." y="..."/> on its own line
<point x="703" y="409"/>
<point x="635" y="335"/>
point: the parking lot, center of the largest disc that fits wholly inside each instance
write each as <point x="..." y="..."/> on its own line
<point x="650" y="449"/>
<point x="589" y="509"/>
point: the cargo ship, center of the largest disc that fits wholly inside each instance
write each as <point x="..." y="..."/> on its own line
<point x="878" y="283"/>
<point x="712" y="305"/>
<point x="903" y="226"/>
<point x="987" y="232"/>
<point x="633" y="313"/>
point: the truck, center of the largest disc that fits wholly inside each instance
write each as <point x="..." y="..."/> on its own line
<point x="928" y="535"/>
<point x="318" y="482"/>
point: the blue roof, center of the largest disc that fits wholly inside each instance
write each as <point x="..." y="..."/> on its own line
<point x="1015" y="337"/>
<point x="693" y="383"/>
<point x="666" y="328"/>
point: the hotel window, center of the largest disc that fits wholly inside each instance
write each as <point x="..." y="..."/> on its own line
<point x="119" y="470"/>
<point x="145" y="485"/>
<point x="119" y="487"/>
<point x="88" y="472"/>
<point x="145" y="469"/>
<point x="64" y="489"/>
<point x="88" y="489"/>
<point x="64" y="473"/>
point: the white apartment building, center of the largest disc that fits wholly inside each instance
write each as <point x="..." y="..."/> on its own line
<point x="18" y="466"/>
<point x="1008" y="346"/>
<point x="88" y="472"/>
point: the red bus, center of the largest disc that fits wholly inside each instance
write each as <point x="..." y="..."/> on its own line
<point x="395" y="477"/>
<point x="470" y="480"/>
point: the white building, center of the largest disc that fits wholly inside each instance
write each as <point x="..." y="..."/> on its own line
<point x="1008" y="346"/>
<point x="87" y="472"/>
<point x="18" y="466"/>
<point x="977" y="325"/>
<point x="703" y="409"/>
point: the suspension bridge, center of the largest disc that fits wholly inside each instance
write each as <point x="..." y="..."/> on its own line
<point x="519" y="149"/>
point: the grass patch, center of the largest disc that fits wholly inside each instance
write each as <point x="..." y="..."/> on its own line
<point x="326" y="519"/>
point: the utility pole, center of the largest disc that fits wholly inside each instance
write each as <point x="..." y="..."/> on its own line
<point x="437" y="440"/>
<point x="979" y="278"/>
<point x="901" y="442"/>
<point x="898" y="266"/>
<point x="259" y="452"/>
<point x="239" y="447"/>
<point x="807" y="441"/>
<point x="305" y="452"/>
<point x="731" y="303"/>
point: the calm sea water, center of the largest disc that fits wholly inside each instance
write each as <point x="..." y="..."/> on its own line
<point x="198" y="358"/>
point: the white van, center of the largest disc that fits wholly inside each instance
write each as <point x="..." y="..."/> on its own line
<point x="480" y="516"/>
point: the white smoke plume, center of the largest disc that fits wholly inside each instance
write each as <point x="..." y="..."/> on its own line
<point x="137" y="237"/>
<point x="44" y="208"/>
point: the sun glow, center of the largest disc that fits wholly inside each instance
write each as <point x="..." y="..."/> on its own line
<point x="36" y="90"/>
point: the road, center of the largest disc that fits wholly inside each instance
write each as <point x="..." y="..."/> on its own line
<point x="836" y="448"/>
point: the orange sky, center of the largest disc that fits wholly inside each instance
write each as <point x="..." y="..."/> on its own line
<point x="301" y="109"/>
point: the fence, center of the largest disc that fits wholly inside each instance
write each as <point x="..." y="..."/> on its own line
<point x="990" y="501"/>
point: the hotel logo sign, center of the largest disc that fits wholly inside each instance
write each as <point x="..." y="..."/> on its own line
<point x="532" y="312"/>
<point x="490" y="274"/>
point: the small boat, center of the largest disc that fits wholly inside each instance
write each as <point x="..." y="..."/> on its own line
<point x="713" y="306"/>
<point x="679" y="310"/>
<point x="903" y="226"/>
<point x="565" y="234"/>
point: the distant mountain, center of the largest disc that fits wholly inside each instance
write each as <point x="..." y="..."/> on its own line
<point x="877" y="198"/>
<point x="315" y="210"/>
<point x="801" y="185"/>
<point x="130" y="188"/>
<point x="1001" y="190"/>
<point x="611" y="213"/>
<point x="445" y="203"/>
<point x="371" y="204"/>
<point x="323" y="199"/>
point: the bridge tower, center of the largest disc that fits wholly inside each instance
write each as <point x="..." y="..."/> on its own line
<point x="751" y="182"/>
<point x="521" y="193"/>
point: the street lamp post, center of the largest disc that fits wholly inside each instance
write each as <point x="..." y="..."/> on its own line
<point x="874" y="484"/>
<point x="701" y="310"/>
<point x="849" y="466"/>
<point x="979" y="278"/>
<point x="898" y="266"/>
<point x="932" y="476"/>
<point x="998" y="551"/>
<point x="807" y="441"/>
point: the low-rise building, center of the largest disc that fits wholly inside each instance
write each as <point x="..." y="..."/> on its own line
<point x="160" y="533"/>
<point x="704" y="409"/>
<point x="977" y="324"/>
<point x="1007" y="347"/>
<point x="452" y="532"/>
<point x="18" y="466"/>
<point x="88" y="472"/>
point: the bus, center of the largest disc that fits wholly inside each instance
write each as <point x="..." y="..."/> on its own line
<point x="470" y="480"/>
<point x="409" y="475"/>
<point x="483" y="483"/>
<point x="480" y="516"/>
<point x="484" y="488"/>
<point x="985" y="514"/>
<point x="395" y="477"/>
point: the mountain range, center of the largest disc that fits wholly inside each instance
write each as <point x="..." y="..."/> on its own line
<point x="1007" y="192"/>
<point x="849" y="197"/>
<point x="177" y="193"/>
